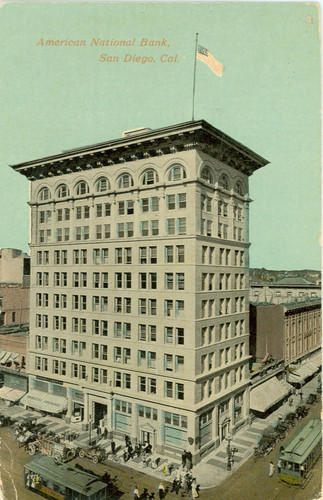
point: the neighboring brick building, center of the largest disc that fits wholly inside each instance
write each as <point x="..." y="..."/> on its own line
<point x="285" y="331"/>
<point x="139" y="303"/>
<point x="14" y="266"/>
<point x="14" y="286"/>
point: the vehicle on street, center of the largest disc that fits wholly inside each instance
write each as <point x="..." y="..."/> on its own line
<point x="48" y="446"/>
<point x="94" y="453"/>
<point x="300" y="455"/>
<point x="60" y="481"/>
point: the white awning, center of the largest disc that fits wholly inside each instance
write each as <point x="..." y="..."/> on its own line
<point x="317" y="360"/>
<point x="45" y="401"/>
<point x="10" y="394"/>
<point x="268" y="394"/>
<point x="302" y="372"/>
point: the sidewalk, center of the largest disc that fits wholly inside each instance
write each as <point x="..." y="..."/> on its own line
<point x="210" y="472"/>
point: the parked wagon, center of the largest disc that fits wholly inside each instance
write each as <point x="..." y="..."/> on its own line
<point x="302" y="411"/>
<point x="300" y="455"/>
<point x="311" y="399"/>
<point x="290" y="419"/>
<point x="265" y="446"/>
<point x="47" y="446"/>
<point x="5" y="421"/>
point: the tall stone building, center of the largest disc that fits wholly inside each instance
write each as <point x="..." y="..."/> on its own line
<point x="139" y="303"/>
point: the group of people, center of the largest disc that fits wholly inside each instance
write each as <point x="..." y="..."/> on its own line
<point x="184" y="482"/>
<point x="139" y="450"/>
<point x="145" y="495"/>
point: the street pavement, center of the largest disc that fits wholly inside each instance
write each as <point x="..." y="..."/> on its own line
<point x="211" y="472"/>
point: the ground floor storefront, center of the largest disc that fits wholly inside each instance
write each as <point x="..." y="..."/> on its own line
<point x="169" y="430"/>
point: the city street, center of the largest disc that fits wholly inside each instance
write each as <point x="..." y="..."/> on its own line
<point x="250" y="481"/>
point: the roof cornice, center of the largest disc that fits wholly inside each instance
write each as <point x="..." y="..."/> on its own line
<point x="198" y="135"/>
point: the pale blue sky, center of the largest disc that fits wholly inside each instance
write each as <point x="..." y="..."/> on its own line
<point x="55" y="98"/>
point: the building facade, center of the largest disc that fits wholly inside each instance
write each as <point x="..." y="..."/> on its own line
<point x="284" y="291"/>
<point x="14" y="287"/>
<point x="139" y="303"/>
<point x="291" y="331"/>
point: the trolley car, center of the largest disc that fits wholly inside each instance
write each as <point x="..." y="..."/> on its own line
<point x="299" y="456"/>
<point x="60" y="481"/>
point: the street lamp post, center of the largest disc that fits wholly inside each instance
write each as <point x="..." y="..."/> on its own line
<point x="230" y="453"/>
<point x="90" y="428"/>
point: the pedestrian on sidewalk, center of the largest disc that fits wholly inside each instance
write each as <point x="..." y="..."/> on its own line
<point x="136" y="495"/>
<point x="113" y="447"/>
<point x="161" y="491"/>
<point x="271" y="469"/>
<point x="194" y="491"/>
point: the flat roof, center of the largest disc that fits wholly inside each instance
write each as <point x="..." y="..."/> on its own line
<point x="192" y="133"/>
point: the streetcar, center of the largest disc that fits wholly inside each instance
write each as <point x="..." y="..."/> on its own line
<point x="299" y="456"/>
<point x="60" y="481"/>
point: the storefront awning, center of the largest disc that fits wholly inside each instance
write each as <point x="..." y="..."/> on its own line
<point x="317" y="360"/>
<point x="10" y="394"/>
<point x="268" y="394"/>
<point x="6" y="356"/>
<point x="45" y="401"/>
<point x="302" y="372"/>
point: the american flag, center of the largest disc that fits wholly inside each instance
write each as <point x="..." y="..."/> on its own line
<point x="206" y="57"/>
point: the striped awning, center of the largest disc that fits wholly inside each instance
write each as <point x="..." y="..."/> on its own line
<point x="6" y="356"/>
<point x="44" y="401"/>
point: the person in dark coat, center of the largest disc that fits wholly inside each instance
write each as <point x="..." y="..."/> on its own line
<point x="113" y="447"/>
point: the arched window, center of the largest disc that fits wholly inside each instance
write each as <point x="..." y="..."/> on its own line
<point x="102" y="185"/>
<point x="81" y="188"/>
<point x="150" y="177"/>
<point x="125" y="181"/>
<point x="176" y="173"/>
<point x="206" y="175"/>
<point x="224" y="182"/>
<point x="62" y="191"/>
<point x="44" y="194"/>
<point x="239" y="188"/>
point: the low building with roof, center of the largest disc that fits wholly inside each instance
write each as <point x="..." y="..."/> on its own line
<point x="286" y="290"/>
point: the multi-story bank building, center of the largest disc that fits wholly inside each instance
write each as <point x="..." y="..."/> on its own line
<point x="139" y="286"/>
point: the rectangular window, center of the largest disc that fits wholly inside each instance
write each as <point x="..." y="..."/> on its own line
<point x="182" y="225"/>
<point x="170" y="226"/>
<point x="145" y="205"/>
<point x="169" y="254"/>
<point x="170" y="202"/>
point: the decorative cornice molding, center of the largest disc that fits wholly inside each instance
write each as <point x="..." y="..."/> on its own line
<point x="188" y="136"/>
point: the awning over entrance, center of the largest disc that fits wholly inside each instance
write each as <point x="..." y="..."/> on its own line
<point x="268" y="394"/>
<point x="317" y="360"/>
<point x="6" y="356"/>
<point x="10" y="394"/>
<point x="302" y="372"/>
<point x="45" y="401"/>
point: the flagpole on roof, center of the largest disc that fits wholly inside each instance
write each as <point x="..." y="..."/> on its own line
<point x="197" y="35"/>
